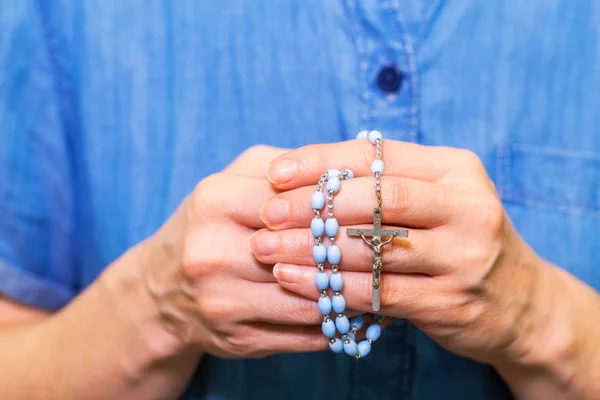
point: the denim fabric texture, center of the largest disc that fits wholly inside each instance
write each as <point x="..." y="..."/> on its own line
<point x="111" y="111"/>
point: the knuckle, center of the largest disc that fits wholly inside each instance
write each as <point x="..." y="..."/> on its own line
<point x="217" y="311"/>
<point x="205" y="198"/>
<point x="470" y="158"/>
<point x="397" y="196"/>
<point x="303" y="311"/>
<point x="236" y="345"/>
<point x="256" y="150"/>
<point x="317" y="342"/>
<point x="389" y="295"/>
<point x="197" y="258"/>
<point x="294" y="240"/>
<point x="489" y="216"/>
<point x="308" y="311"/>
<point x="306" y="243"/>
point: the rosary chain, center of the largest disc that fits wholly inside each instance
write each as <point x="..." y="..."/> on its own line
<point x="379" y="146"/>
<point x="330" y="203"/>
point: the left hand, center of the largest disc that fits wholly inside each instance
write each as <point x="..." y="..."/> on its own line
<point x="463" y="276"/>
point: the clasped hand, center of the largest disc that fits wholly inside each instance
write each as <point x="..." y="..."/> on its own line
<point x="241" y="243"/>
<point x="464" y="276"/>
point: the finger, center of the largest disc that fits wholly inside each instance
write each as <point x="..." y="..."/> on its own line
<point x="266" y="339"/>
<point x="402" y="295"/>
<point x="232" y="197"/>
<point x="305" y="165"/>
<point x="272" y="303"/>
<point x="423" y="252"/>
<point x="406" y="202"/>
<point x="253" y="162"/>
<point x="206" y="248"/>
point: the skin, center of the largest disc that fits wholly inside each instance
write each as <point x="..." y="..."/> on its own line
<point x="140" y="330"/>
<point x="464" y="276"/>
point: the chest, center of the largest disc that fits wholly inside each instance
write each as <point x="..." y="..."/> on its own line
<point x="169" y="93"/>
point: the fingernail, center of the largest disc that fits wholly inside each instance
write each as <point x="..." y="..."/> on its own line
<point x="275" y="212"/>
<point x="282" y="171"/>
<point x="264" y="243"/>
<point x="286" y="273"/>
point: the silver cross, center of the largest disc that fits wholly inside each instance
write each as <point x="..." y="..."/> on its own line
<point x="376" y="243"/>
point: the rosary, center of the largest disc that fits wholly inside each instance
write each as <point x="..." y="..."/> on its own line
<point x="330" y="181"/>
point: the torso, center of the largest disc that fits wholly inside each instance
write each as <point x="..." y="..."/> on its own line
<point x="166" y="93"/>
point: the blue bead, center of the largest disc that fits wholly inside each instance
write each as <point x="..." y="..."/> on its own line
<point x="324" y="305"/>
<point x="362" y="135"/>
<point x="374" y="135"/>
<point x="351" y="335"/>
<point x="339" y="303"/>
<point x="358" y="322"/>
<point x="342" y="324"/>
<point x="349" y="173"/>
<point x="364" y="347"/>
<point x="317" y="226"/>
<point x="337" y="346"/>
<point x="350" y="348"/>
<point x="318" y="200"/>
<point x="333" y="173"/>
<point x="334" y="254"/>
<point x="322" y="280"/>
<point x="319" y="253"/>
<point x="377" y="166"/>
<point x="373" y="332"/>
<point x="333" y="184"/>
<point x="328" y="328"/>
<point x="331" y="227"/>
<point x="336" y="281"/>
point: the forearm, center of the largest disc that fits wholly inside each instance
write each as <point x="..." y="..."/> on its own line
<point x="108" y="343"/>
<point x="559" y="357"/>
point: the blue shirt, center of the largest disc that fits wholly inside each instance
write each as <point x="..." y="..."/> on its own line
<point x="111" y="111"/>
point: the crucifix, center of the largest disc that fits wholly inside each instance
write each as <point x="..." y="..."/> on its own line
<point x="377" y="244"/>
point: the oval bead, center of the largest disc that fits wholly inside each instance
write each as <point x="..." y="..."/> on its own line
<point x="318" y="200"/>
<point x="377" y="166"/>
<point x="374" y="135"/>
<point x="319" y="253"/>
<point x="362" y="135"/>
<point x="351" y="335"/>
<point x="333" y="184"/>
<point x="349" y="173"/>
<point x="358" y="322"/>
<point x="334" y="254"/>
<point x="350" y="348"/>
<point x="373" y="332"/>
<point x="333" y="173"/>
<point x="342" y="324"/>
<point x="337" y="346"/>
<point x="322" y="280"/>
<point x="317" y="227"/>
<point x="324" y="305"/>
<point x="336" y="281"/>
<point x="328" y="328"/>
<point x="339" y="303"/>
<point x="364" y="347"/>
<point x="332" y="227"/>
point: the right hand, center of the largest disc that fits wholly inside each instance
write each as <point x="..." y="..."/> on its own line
<point x="211" y="291"/>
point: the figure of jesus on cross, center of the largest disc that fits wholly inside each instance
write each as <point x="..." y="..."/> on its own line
<point x="377" y="244"/>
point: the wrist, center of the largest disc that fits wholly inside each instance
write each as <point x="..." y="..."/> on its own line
<point x="550" y="354"/>
<point x="154" y="339"/>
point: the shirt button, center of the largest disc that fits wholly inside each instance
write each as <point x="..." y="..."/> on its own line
<point x="389" y="79"/>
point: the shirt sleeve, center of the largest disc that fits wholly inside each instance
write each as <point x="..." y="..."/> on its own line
<point x="37" y="265"/>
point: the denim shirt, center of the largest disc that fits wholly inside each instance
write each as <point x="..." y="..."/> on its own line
<point x="111" y="111"/>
